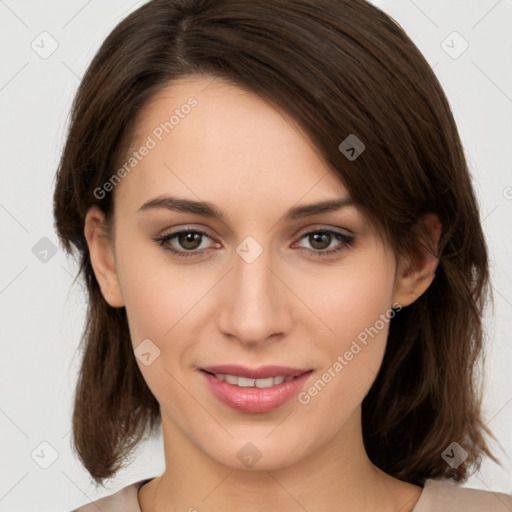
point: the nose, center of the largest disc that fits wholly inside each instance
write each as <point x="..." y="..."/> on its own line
<point x="255" y="301"/>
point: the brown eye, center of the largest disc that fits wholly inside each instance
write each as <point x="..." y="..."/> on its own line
<point x="320" y="240"/>
<point x="184" y="243"/>
<point x="189" y="240"/>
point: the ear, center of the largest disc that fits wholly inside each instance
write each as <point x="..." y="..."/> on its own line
<point x="101" y="252"/>
<point x="416" y="269"/>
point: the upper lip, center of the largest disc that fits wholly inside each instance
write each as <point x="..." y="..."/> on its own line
<point x="261" y="372"/>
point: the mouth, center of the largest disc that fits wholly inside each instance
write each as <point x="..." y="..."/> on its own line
<point x="255" y="393"/>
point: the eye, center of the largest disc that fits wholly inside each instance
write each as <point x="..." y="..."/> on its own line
<point x="321" y="239"/>
<point x="191" y="240"/>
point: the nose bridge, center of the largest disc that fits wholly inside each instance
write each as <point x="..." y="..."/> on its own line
<point x="254" y="305"/>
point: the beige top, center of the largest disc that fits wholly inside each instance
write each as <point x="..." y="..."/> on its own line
<point x="437" y="496"/>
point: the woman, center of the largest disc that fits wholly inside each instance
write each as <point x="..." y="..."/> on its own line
<point x="284" y="259"/>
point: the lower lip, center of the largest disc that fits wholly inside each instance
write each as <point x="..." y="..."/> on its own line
<point x="254" y="400"/>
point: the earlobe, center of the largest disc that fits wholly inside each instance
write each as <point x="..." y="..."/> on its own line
<point x="416" y="271"/>
<point x="102" y="256"/>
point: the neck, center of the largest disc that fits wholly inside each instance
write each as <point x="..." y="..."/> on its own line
<point x="336" y="477"/>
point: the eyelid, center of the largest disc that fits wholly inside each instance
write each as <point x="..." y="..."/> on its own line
<point x="323" y="227"/>
<point x="201" y="230"/>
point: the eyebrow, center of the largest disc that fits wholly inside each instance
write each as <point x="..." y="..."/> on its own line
<point x="207" y="209"/>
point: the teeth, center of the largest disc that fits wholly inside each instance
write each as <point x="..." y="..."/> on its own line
<point x="229" y="379"/>
<point x="244" y="382"/>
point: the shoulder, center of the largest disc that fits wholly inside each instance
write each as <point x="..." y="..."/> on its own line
<point x="443" y="495"/>
<point x="124" y="500"/>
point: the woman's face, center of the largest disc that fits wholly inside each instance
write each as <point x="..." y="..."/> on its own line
<point x="255" y="288"/>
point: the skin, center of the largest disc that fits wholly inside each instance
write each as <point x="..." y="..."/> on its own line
<point x="288" y="307"/>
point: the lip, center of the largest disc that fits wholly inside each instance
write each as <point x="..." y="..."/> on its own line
<point x="262" y="372"/>
<point x="253" y="399"/>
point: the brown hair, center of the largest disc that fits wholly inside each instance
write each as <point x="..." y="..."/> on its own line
<point x="337" y="67"/>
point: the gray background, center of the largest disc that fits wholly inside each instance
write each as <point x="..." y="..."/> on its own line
<point x="42" y="313"/>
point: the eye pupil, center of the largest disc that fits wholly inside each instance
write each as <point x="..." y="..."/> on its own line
<point x="188" y="237"/>
<point x="314" y="238"/>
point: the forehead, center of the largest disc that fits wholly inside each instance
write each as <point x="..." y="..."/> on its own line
<point x="210" y="139"/>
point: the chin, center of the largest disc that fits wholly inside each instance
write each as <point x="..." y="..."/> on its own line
<point x="258" y="453"/>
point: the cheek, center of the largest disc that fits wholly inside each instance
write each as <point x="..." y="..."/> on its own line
<point x="159" y="300"/>
<point x="354" y="298"/>
<point x="157" y="294"/>
<point x="357" y="309"/>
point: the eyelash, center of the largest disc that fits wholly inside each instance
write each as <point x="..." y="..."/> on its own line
<point x="346" y="241"/>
